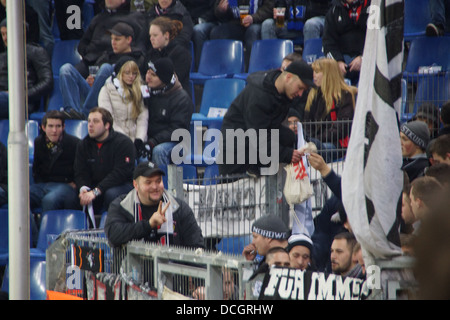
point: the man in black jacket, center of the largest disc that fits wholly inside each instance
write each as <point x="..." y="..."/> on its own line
<point x="80" y="94"/>
<point x="169" y="108"/>
<point x="344" y="35"/>
<point x="151" y="213"/>
<point x="261" y="109"/>
<point x="39" y="75"/>
<point x="96" y="38"/>
<point x="54" y="155"/>
<point x="104" y="163"/>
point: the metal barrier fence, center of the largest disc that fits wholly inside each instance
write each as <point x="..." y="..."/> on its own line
<point x="425" y="92"/>
<point x="81" y="263"/>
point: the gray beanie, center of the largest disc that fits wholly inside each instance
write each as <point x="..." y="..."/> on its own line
<point x="417" y="132"/>
<point x="271" y="226"/>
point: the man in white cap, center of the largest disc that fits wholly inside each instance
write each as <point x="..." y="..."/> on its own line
<point x="300" y="249"/>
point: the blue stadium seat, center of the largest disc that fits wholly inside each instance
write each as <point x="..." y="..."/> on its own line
<point x="416" y="17"/>
<point x="234" y="245"/>
<point x="220" y="58"/>
<point x="54" y="223"/>
<point x="4" y="247"/>
<point x="4" y="131"/>
<point x="267" y="54"/>
<point x="32" y="132"/>
<point x="32" y="128"/>
<point x="218" y="93"/>
<point x="313" y="46"/>
<point x="77" y="128"/>
<point x="65" y="51"/>
<point x="427" y="51"/>
<point x="211" y="174"/>
<point x="38" y="286"/>
<point x="103" y="219"/>
<point x="434" y="89"/>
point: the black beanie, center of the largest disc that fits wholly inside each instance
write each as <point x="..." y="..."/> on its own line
<point x="271" y="226"/>
<point x="164" y="70"/>
<point x="120" y="62"/>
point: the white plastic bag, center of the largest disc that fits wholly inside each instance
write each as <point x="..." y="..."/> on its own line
<point x="297" y="187"/>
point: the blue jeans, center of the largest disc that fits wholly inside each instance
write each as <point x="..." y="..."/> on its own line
<point x="161" y="154"/>
<point x="199" y="36"/>
<point x="440" y="13"/>
<point x="313" y="28"/>
<point x="76" y="92"/>
<point x="102" y="203"/>
<point x="270" y="31"/>
<point x="53" y="196"/>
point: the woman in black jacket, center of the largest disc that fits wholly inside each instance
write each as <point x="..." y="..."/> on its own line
<point x="163" y="32"/>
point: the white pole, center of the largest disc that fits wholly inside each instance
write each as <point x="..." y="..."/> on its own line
<point x="18" y="170"/>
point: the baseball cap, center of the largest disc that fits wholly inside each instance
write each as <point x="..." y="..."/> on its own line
<point x="122" y="29"/>
<point x="147" y="169"/>
<point x="303" y="71"/>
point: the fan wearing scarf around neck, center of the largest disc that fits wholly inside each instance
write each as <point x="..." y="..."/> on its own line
<point x="151" y="213"/>
<point x="169" y="107"/>
<point x="123" y="96"/>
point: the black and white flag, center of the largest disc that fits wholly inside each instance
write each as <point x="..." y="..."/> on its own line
<point x="372" y="178"/>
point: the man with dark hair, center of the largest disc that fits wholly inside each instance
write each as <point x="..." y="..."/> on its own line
<point x="80" y="93"/>
<point x="440" y="149"/>
<point x="342" y="262"/>
<point x="104" y="163"/>
<point x="278" y="257"/>
<point x="151" y="213"/>
<point x="54" y="156"/>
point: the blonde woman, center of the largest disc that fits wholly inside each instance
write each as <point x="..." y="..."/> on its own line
<point x="331" y="101"/>
<point x="122" y="97"/>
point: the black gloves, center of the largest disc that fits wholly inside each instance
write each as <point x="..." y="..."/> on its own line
<point x="143" y="150"/>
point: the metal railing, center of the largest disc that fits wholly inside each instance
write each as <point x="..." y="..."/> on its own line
<point x="81" y="262"/>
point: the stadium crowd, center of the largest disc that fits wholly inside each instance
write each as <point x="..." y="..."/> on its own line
<point x="132" y="86"/>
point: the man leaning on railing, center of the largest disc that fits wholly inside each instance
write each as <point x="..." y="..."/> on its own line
<point x="151" y="213"/>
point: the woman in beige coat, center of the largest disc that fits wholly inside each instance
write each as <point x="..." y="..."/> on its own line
<point x="122" y="95"/>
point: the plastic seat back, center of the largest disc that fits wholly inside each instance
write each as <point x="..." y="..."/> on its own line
<point x="416" y="17"/>
<point x="220" y="93"/>
<point x="37" y="280"/>
<point x="77" y="128"/>
<point x="221" y="56"/>
<point x="428" y="51"/>
<point x="312" y="47"/>
<point x="65" y="51"/>
<point x="56" y="222"/>
<point x="268" y="54"/>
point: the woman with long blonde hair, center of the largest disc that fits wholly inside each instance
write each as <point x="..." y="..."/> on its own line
<point x="122" y="96"/>
<point x="331" y="102"/>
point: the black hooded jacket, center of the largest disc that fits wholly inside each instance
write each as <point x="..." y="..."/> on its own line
<point x="258" y="106"/>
